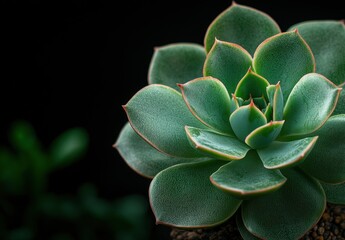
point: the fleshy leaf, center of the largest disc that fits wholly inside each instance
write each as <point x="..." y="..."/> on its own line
<point x="340" y="108"/>
<point x="276" y="98"/>
<point x="183" y="196"/>
<point x="326" y="39"/>
<point x="264" y="135"/>
<point x="335" y="192"/>
<point x="243" y="25"/>
<point x="176" y="63"/>
<point x="235" y="102"/>
<point x="246" y="119"/>
<point x="284" y="58"/>
<point x="246" y="235"/>
<point x="158" y="114"/>
<point x="247" y="177"/>
<point x="327" y="161"/>
<point x="228" y="62"/>
<point x="268" y="112"/>
<point x="216" y="145"/>
<point x="287" y="213"/>
<point x="286" y="154"/>
<point x="251" y="85"/>
<point x="142" y="157"/>
<point x="208" y="99"/>
<point x="309" y="105"/>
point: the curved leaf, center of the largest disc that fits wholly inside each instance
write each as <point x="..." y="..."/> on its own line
<point x="246" y="119"/>
<point x="69" y="146"/>
<point x="327" y="161"/>
<point x="183" y="196"/>
<point x="326" y="39"/>
<point x="309" y="105"/>
<point x="340" y="108"/>
<point x="216" y="145"/>
<point x="176" y="63"/>
<point x="287" y="213"/>
<point x="335" y="192"/>
<point x="247" y="177"/>
<point x="286" y="154"/>
<point x="228" y="62"/>
<point x="276" y="98"/>
<point x="242" y="25"/>
<point x="158" y="114"/>
<point x="142" y="157"/>
<point x="235" y="102"/>
<point x="284" y="58"/>
<point x="264" y="135"/>
<point x="208" y="99"/>
<point x="251" y="85"/>
<point x="245" y="234"/>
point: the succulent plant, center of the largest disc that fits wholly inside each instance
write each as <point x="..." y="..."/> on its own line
<point x="253" y="123"/>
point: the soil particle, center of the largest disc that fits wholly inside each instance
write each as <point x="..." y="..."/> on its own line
<point x="330" y="227"/>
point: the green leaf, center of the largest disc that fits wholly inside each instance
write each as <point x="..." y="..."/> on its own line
<point x="142" y="157"/>
<point x="276" y="98"/>
<point x="235" y="102"/>
<point x="245" y="234"/>
<point x="287" y="213"/>
<point x="335" y="192"/>
<point x="23" y="137"/>
<point x="216" y="145"/>
<point x="268" y="112"/>
<point x="326" y="39"/>
<point x="212" y="110"/>
<point x="158" y="114"/>
<point x="264" y="135"/>
<point x="251" y="85"/>
<point x="340" y="108"/>
<point x="286" y="154"/>
<point x="246" y="119"/>
<point x="309" y="105"/>
<point x="183" y="196"/>
<point x="228" y="62"/>
<point x="243" y="25"/>
<point x="176" y="63"/>
<point x="326" y="161"/>
<point x="247" y="177"/>
<point x="69" y="146"/>
<point x="284" y="58"/>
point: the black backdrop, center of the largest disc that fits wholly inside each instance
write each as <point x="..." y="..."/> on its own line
<point x="74" y="63"/>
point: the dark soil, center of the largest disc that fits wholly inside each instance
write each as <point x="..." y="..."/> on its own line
<point x="330" y="227"/>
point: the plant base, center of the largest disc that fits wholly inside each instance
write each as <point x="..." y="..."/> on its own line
<point x="330" y="227"/>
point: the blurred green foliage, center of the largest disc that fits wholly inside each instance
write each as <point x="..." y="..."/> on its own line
<point x="29" y="212"/>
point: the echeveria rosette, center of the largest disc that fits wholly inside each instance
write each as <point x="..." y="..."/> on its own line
<point x="253" y="120"/>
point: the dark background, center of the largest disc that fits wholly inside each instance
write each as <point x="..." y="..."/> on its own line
<point x="74" y="63"/>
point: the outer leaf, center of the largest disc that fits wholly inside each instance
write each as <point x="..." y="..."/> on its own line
<point x="264" y="135"/>
<point x="327" y="161"/>
<point x="71" y="145"/>
<point x="335" y="192"/>
<point x="246" y="119"/>
<point x="287" y="213"/>
<point x="176" y="63"/>
<point x="245" y="234"/>
<point x="142" y="157"/>
<point x="309" y="105"/>
<point x="158" y="114"/>
<point x="326" y="40"/>
<point x="340" y="108"/>
<point x="208" y="99"/>
<point x="243" y="25"/>
<point x="286" y="154"/>
<point x="216" y="145"/>
<point x="183" y="196"/>
<point x="228" y="62"/>
<point x="251" y="85"/>
<point x="285" y="58"/>
<point x="247" y="177"/>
